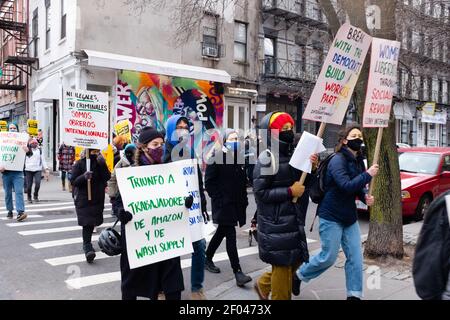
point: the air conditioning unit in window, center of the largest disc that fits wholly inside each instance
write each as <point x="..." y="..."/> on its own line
<point x="210" y="52"/>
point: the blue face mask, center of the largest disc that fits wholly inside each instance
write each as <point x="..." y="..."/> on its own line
<point x="233" y="146"/>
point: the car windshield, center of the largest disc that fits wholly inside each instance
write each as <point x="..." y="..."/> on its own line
<point x="419" y="162"/>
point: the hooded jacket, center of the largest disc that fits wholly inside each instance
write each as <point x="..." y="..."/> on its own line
<point x="281" y="234"/>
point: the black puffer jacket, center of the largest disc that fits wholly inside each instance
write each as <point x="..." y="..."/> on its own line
<point x="281" y="234"/>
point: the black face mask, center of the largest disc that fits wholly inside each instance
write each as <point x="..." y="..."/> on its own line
<point x="355" y="144"/>
<point x="287" y="136"/>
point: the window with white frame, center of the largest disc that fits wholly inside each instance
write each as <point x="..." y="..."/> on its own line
<point x="240" y="42"/>
<point x="47" y="24"/>
<point x="35" y="32"/>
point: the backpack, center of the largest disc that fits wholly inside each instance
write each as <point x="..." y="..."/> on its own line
<point x="431" y="263"/>
<point x="317" y="188"/>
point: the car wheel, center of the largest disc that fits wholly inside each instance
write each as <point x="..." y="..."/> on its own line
<point x="423" y="205"/>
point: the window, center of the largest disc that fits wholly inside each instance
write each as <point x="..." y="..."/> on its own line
<point x="63" y="19"/>
<point x="34" y="30"/>
<point x="440" y="91"/>
<point x="430" y="89"/>
<point x="269" y="55"/>
<point x="47" y="24"/>
<point x="240" y="42"/>
<point x="421" y="89"/>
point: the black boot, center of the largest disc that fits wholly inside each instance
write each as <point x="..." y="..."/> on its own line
<point x="242" y="278"/>
<point x="210" y="266"/>
<point x="296" y="282"/>
<point x="353" y="298"/>
<point x="29" y="199"/>
<point x="89" y="252"/>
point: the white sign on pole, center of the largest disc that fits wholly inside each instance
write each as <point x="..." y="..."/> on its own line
<point x="12" y="155"/>
<point x="334" y="87"/>
<point x="431" y="115"/>
<point x="382" y="83"/>
<point x="155" y="196"/>
<point x="85" y="119"/>
<point x="307" y="146"/>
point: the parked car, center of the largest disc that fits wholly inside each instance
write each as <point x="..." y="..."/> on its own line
<point x="425" y="174"/>
<point x="402" y="145"/>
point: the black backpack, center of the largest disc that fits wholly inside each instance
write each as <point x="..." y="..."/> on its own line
<point x="317" y="187"/>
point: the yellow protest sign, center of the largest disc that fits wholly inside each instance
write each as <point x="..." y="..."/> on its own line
<point x="32" y="127"/>
<point x="3" y="126"/>
<point x="123" y="128"/>
<point x="78" y="151"/>
<point x="108" y="154"/>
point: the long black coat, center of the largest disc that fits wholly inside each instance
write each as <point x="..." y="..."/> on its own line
<point x="89" y="213"/>
<point x="226" y="185"/>
<point x="147" y="281"/>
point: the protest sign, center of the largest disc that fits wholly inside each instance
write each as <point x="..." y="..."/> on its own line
<point x="432" y="115"/>
<point x="108" y="154"/>
<point x="123" y="128"/>
<point x="155" y="196"/>
<point x="32" y="127"/>
<point x="382" y="83"/>
<point x="3" y="126"/>
<point x="12" y="155"/>
<point x="307" y="146"/>
<point x="334" y="87"/>
<point x="85" y="119"/>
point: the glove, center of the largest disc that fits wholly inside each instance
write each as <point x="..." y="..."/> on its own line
<point x="88" y="175"/>
<point x="253" y="223"/>
<point x="206" y="217"/>
<point x="297" y="190"/>
<point x="124" y="216"/>
<point x="188" y="201"/>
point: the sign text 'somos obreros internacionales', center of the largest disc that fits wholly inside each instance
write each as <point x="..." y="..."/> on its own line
<point x="85" y="119"/>
<point x="155" y="197"/>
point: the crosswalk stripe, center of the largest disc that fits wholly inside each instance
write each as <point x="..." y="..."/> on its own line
<point x="57" y="243"/>
<point x="50" y="204"/>
<point x="88" y="281"/>
<point x="74" y="259"/>
<point x="47" y="209"/>
<point x="29" y="216"/>
<point x="24" y="224"/>
<point x="58" y="230"/>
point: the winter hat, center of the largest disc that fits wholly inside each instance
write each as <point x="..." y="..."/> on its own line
<point x="130" y="147"/>
<point x="15" y="124"/>
<point x="279" y="119"/>
<point x="227" y="134"/>
<point x="148" y="134"/>
<point x="120" y="140"/>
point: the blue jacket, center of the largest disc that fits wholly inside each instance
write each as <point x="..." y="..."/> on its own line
<point x="345" y="180"/>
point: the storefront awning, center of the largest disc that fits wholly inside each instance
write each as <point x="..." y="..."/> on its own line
<point x="48" y="90"/>
<point x="121" y="62"/>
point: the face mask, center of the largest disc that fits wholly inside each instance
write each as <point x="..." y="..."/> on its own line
<point x="355" y="144"/>
<point x="93" y="156"/>
<point x="33" y="146"/>
<point x="156" y="154"/>
<point x="287" y="136"/>
<point x="233" y="146"/>
<point x="13" y="130"/>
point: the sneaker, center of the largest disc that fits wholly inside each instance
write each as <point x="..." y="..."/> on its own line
<point x="296" y="282"/>
<point x="353" y="298"/>
<point x="198" y="295"/>
<point x="211" y="267"/>
<point x="242" y="278"/>
<point x="161" y="296"/>
<point x="259" y="292"/>
<point x="90" y="256"/>
<point x="36" y="199"/>
<point x="29" y="200"/>
<point x="21" y="216"/>
<point x="10" y="215"/>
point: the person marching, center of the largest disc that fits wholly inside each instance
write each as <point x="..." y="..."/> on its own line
<point x="34" y="164"/>
<point x="280" y="221"/>
<point x="14" y="180"/>
<point x="346" y="179"/>
<point x="66" y="158"/>
<point x="89" y="213"/>
<point x="167" y="276"/>
<point x="179" y="147"/>
<point x="226" y="184"/>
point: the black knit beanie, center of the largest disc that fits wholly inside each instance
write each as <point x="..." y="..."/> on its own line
<point x="148" y="134"/>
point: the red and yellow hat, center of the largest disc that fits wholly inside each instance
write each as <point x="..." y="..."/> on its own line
<point x="279" y="120"/>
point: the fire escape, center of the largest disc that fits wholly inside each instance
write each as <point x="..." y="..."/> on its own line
<point x="15" y="48"/>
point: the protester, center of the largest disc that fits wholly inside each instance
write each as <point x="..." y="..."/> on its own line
<point x="34" y="165"/>
<point x="127" y="160"/>
<point x="164" y="276"/>
<point x="345" y="180"/>
<point x="281" y="234"/>
<point x="119" y="142"/>
<point x="225" y="181"/>
<point x="40" y="138"/>
<point x="14" y="180"/>
<point x="179" y="147"/>
<point x="250" y="157"/>
<point x="89" y="212"/>
<point x="66" y="158"/>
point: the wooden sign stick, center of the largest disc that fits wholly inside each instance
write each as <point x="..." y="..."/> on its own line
<point x="88" y="168"/>
<point x="376" y="157"/>
<point x="304" y="174"/>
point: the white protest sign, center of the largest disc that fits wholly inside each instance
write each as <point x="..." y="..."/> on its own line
<point x="160" y="228"/>
<point x="307" y="146"/>
<point x="12" y="155"/>
<point x="431" y="115"/>
<point x="334" y="87"/>
<point x="382" y="83"/>
<point x="85" y="119"/>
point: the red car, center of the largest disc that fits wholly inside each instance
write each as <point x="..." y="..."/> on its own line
<point x="425" y="174"/>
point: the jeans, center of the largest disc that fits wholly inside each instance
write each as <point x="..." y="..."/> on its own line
<point x="64" y="174"/>
<point x="228" y="232"/>
<point x="36" y="176"/>
<point x="333" y="235"/>
<point x="14" y="179"/>
<point x="198" y="265"/>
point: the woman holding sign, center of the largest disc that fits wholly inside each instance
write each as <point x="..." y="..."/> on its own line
<point x="164" y="276"/>
<point x="345" y="180"/>
<point x="89" y="212"/>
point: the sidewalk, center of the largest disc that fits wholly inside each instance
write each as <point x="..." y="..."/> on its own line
<point x="379" y="283"/>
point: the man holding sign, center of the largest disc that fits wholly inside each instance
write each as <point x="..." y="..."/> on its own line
<point x="13" y="147"/>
